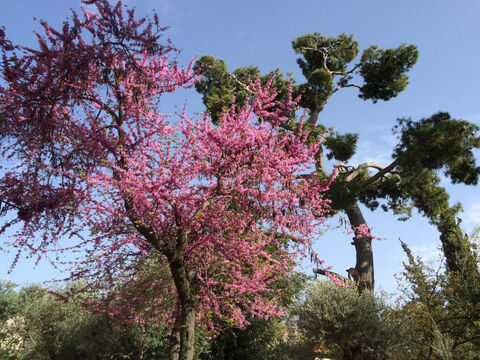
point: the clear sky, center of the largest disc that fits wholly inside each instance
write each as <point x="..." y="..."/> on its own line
<point x="247" y="32"/>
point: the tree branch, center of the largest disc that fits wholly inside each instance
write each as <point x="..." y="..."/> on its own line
<point x="209" y="200"/>
<point x="353" y="69"/>
<point x="325" y="51"/>
<point x="354" y="172"/>
<point x="342" y="278"/>
<point x="244" y="86"/>
<point x="381" y="173"/>
<point x="101" y="104"/>
<point x="319" y="162"/>
<point x="345" y="86"/>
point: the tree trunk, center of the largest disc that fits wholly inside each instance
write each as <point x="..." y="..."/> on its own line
<point x="140" y="351"/>
<point x="182" y="338"/>
<point x="184" y="331"/>
<point x="363" y="247"/>
<point x="175" y="340"/>
<point x="187" y="332"/>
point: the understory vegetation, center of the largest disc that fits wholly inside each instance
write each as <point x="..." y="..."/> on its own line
<point x="437" y="317"/>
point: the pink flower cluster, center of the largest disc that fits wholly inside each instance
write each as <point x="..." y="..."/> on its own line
<point x="363" y="231"/>
<point x="100" y="170"/>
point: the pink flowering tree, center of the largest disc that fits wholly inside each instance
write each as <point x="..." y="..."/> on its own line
<point x="194" y="217"/>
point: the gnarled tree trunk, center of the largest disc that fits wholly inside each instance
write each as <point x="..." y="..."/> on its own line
<point x="363" y="247"/>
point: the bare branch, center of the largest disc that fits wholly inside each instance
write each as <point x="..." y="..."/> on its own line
<point x="345" y="86"/>
<point x="102" y="105"/>
<point x="353" y="69"/>
<point x="358" y="170"/>
<point x="354" y="172"/>
<point x="325" y="52"/>
<point x="319" y="162"/>
<point x="382" y="172"/>
<point x="243" y="85"/>
<point x="344" y="168"/>
<point x="343" y="279"/>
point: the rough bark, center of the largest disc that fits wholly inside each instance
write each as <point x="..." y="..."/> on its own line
<point x="175" y="340"/>
<point x="186" y="304"/>
<point x="187" y="332"/>
<point x="363" y="247"/>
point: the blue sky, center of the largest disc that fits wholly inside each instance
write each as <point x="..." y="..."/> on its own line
<point x="260" y="32"/>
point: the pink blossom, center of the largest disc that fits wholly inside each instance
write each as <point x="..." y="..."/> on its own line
<point x="101" y="170"/>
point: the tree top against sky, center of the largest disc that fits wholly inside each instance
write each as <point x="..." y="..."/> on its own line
<point x="446" y="35"/>
<point x="99" y="168"/>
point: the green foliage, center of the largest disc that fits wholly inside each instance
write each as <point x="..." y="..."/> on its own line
<point x="342" y="50"/>
<point x="439" y="142"/>
<point x="262" y="339"/>
<point x="322" y="58"/>
<point x="421" y="188"/>
<point x="9" y="308"/>
<point x="344" y="193"/>
<point x="352" y="326"/>
<point x="390" y="189"/>
<point x="425" y="147"/>
<point x="257" y="341"/>
<point x="342" y="147"/>
<point x="444" y="309"/>
<point x="404" y="189"/>
<point x="8" y="304"/>
<point x="219" y="87"/>
<point x="216" y="85"/>
<point x="384" y="71"/>
<point x="40" y="327"/>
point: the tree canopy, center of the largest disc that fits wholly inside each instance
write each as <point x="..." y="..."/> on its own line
<point x="96" y="162"/>
<point x="425" y="147"/>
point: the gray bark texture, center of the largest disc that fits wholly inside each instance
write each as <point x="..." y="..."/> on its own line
<point x="363" y="248"/>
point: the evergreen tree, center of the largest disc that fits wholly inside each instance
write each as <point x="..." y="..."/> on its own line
<point x="444" y="308"/>
<point x="425" y="147"/>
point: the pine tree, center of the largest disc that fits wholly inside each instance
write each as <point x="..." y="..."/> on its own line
<point x="425" y="147"/>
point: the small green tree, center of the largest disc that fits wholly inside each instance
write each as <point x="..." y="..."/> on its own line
<point x="444" y="308"/>
<point x="351" y="325"/>
<point x="10" y="340"/>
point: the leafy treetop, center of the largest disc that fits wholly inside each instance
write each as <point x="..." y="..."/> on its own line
<point x="425" y="147"/>
<point x="97" y="163"/>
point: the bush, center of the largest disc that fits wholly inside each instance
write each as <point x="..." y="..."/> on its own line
<point x="350" y="326"/>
